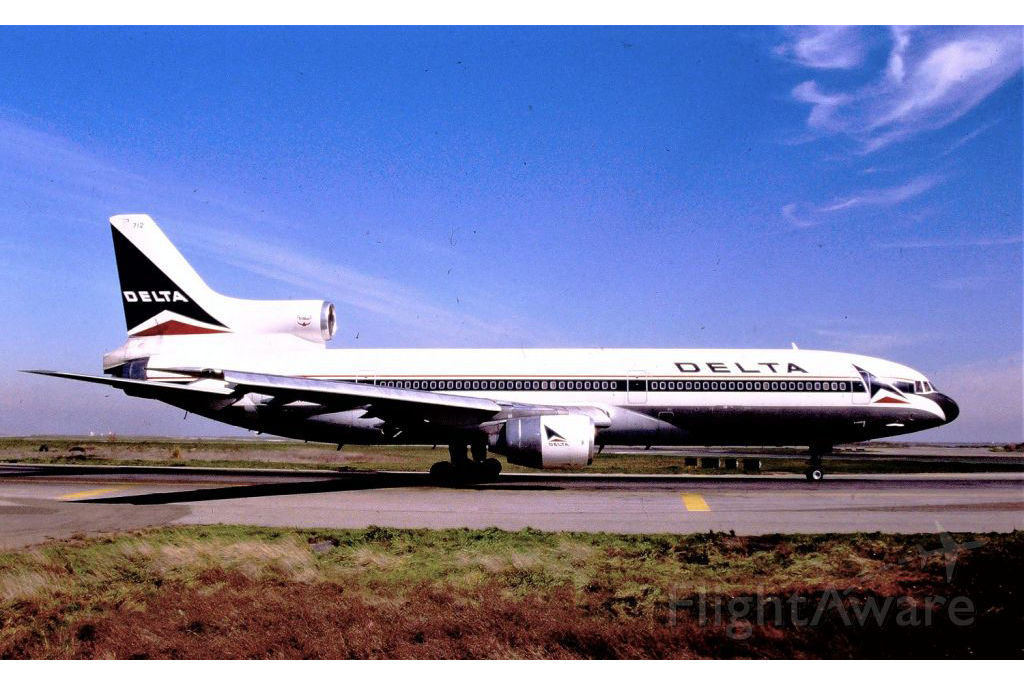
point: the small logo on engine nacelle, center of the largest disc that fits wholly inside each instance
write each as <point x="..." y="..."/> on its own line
<point x="554" y="439"/>
<point x="303" y="319"/>
<point x="153" y="296"/>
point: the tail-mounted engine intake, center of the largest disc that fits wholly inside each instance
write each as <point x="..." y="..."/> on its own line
<point x="313" y="320"/>
<point x="547" y="442"/>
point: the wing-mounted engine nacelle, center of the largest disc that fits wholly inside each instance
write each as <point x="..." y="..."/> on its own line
<point x="547" y="442"/>
<point x="313" y="320"/>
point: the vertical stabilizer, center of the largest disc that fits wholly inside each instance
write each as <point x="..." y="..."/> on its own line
<point x="161" y="293"/>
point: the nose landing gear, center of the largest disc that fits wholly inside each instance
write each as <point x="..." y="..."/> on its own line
<point x="815" y="472"/>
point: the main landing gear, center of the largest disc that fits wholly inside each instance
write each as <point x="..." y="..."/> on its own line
<point x="814" y="471"/>
<point x="462" y="468"/>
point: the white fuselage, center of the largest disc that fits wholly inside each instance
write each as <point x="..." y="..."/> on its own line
<point x="646" y="396"/>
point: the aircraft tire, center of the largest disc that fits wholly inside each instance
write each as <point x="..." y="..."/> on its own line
<point x="442" y="470"/>
<point x="491" y="467"/>
<point x="814" y="474"/>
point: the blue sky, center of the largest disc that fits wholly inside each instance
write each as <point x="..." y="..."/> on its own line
<point x="852" y="189"/>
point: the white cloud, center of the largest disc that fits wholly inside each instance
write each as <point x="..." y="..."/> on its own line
<point x="970" y="136"/>
<point x="933" y="77"/>
<point x="955" y="242"/>
<point x="964" y="283"/>
<point x="348" y="287"/>
<point x="868" y="342"/>
<point x="806" y="214"/>
<point x="823" y="47"/>
<point x="798" y="214"/>
<point x="87" y="179"/>
<point x="895" y="69"/>
<point x="824" y="106"/>
<point x="887" y="197"/>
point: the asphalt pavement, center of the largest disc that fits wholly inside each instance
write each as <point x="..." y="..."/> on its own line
<point x="44" y="502"/>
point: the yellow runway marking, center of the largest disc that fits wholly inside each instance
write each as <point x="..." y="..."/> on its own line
<point x="93" y="493"/>
<point x="694" y="502"/>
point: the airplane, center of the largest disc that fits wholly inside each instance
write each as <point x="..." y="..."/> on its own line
<point x="264" y="365"/>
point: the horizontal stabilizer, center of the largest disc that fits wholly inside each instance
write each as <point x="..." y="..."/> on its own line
<point x="137" y="388"/>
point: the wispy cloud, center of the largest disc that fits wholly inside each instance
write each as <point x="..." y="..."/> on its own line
<point x="887" y="197"/>
<point x="799" y="214"/>
<point x="933" y="76"/>
<point x="384" y="298"/>
<point x="970" y="136"/>
<point x="869" y="342"/>
<point x="964" y="283"/>
<point x="823" y="47"/>
<point x="995" y="241"/>
<point x="94" y="184"/>
<point x="806" y="214"/>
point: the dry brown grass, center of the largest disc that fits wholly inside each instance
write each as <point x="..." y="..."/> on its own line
<point x="228" y="592"/>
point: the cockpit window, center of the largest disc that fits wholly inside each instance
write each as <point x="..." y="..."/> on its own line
<point x="904" y="386"/>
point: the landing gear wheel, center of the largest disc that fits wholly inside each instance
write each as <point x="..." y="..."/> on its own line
<point x="491" y="467"/>
<point x="442" y="470"/>
<point x="814" y="472"/>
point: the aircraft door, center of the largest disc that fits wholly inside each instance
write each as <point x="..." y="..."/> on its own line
<point x="636" y="387"/>
<point x="862" y="388"/>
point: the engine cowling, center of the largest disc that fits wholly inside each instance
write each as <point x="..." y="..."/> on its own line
<point x="547" y="442"/>
<point x="313" y="320"/>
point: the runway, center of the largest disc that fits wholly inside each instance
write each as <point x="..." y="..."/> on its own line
<point x="44" y="502"/>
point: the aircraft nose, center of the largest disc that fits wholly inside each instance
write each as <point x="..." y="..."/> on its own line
<point x="949" y="407"/>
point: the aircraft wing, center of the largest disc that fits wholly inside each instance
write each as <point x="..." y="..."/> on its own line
<point x="398" y="405"/>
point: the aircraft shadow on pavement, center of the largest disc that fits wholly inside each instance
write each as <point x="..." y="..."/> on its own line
<point x="346" y="482"/>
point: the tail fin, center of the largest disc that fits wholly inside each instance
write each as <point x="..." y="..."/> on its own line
<point x="161" y="293"/>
